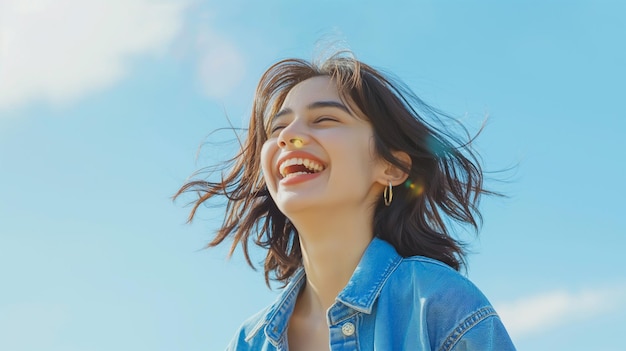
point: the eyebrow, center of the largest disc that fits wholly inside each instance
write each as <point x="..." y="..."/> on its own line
<point x="316" y="105"/>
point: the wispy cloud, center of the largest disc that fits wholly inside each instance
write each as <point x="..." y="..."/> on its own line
<point x="221" y="66"/>
<point x="540" y="312"/>
<point x="60" y="50"/>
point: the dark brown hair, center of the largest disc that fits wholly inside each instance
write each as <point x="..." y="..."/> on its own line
<point x="444" y="184"/>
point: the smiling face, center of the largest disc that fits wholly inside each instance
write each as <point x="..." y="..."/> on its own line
<point x="320" y="152"/>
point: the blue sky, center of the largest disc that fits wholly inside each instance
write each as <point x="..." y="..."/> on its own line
<point x="103" y="105"/>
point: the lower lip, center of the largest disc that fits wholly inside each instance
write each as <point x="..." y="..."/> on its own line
<point x="299" y="178"/>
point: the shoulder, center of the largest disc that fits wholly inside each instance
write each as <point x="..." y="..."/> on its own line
<point x="450" y="308"/>
<point x="433" y="278"/>
<point x="437" y="285"/>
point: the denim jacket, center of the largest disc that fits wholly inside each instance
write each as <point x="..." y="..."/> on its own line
<point x="390" y="303"/>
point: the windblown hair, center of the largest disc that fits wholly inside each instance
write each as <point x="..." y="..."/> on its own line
<point x="444" y="184"/>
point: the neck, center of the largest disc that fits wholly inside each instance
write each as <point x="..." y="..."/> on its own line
<point x="332" y="244"/>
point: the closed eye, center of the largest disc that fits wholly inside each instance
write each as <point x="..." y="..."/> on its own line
<point x="326" y="119"/>
<point x="276" y="129"/>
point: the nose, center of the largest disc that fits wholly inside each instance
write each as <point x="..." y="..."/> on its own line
<point x="293" y="136"/>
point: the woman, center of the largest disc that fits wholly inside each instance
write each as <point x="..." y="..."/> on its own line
<point x="351" y="192"/>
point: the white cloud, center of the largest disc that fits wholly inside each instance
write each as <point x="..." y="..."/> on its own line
<point x="548" y="310"/>
<point x="60" y="50"/>
<point x="221" y="66"/>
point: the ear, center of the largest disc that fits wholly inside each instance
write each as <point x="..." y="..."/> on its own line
<point x="392" y="173"/>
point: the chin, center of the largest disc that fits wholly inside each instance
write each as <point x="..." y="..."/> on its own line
<point x="293" y="204"/>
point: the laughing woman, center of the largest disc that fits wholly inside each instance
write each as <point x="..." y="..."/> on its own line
<point x="351" y="192"/>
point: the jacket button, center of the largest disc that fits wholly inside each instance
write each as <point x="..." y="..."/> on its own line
<point x="347" y="329"/>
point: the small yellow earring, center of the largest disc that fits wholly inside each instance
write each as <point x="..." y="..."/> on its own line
<point x="297" y="142"/>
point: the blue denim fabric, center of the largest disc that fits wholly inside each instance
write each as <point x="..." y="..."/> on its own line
<point x="390" y="303"/>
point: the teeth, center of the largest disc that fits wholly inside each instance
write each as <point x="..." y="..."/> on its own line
<point x="294" y="174"/>
<point x="309" y="164"/>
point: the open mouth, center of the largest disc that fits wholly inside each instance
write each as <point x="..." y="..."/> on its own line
<point x="298" y="166"/>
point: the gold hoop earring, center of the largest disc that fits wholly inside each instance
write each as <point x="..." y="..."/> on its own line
<point x="388" y="194"/>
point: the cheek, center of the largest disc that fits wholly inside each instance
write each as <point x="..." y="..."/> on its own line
<point x="268" y="153"/>
<point x="361" y="152"/>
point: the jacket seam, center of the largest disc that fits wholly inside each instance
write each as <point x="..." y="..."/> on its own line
<point x="466" y="326"/>
<point x="255" y="330"/>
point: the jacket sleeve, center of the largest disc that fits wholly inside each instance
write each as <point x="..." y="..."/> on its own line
<point x="487" y="335"/>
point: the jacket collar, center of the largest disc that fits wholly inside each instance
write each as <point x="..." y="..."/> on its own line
<point x="379" y="260"/>
<point x="278" y="315"/>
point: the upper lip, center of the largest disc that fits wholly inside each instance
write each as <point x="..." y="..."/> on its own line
<point x="297" y="154"/>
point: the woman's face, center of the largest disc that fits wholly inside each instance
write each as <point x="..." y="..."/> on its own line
<point x="320" y="153"/>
